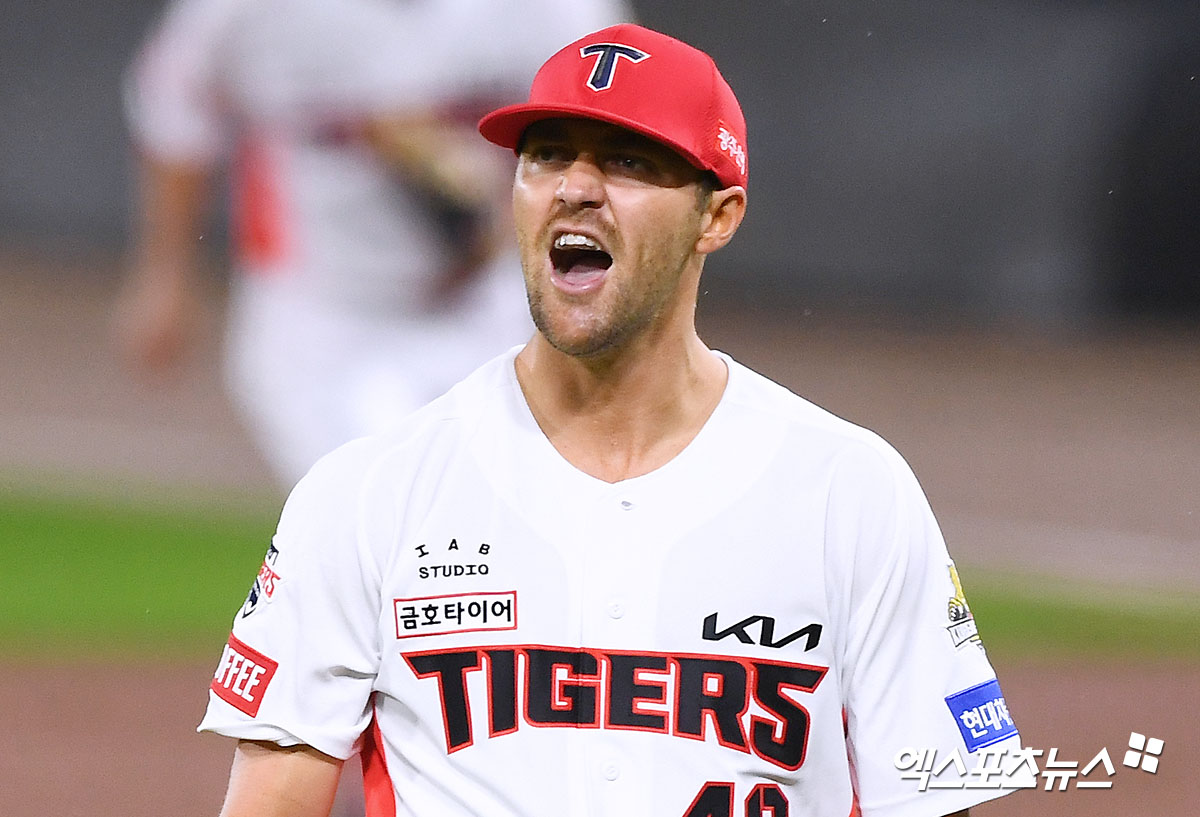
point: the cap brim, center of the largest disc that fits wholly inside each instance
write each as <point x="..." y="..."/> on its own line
<point x="505" y="126"/>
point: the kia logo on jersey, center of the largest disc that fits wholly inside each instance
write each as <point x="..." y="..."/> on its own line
<point x="766" y="632"/>
<point x="608" y="55"/>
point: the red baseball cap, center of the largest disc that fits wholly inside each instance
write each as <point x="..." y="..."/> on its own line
<point x="641" y="80"/>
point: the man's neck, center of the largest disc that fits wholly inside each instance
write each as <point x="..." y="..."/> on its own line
<point x="626" y="415"/>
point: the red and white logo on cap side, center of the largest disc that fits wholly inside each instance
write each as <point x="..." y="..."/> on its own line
<point x="728" y="144"/>
<point x="242" y="676"/>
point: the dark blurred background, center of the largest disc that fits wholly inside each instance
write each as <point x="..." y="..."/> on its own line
<point x="998" y="160"/>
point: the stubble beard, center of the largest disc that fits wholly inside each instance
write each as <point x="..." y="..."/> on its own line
<point x="601" y="333"/>
<point x="612" y="324"/>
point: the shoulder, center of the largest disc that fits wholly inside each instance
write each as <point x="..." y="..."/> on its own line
<point x="802" y="427"/>
<point x="809" y="450"/>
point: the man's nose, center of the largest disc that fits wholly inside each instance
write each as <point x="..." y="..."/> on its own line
<point x="582" y="184"/>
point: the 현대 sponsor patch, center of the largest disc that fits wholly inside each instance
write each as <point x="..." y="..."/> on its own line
<point x="982" y="715"/>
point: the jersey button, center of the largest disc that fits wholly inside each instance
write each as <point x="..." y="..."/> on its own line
<point x="611" y="771"/>
<point x="626" y="505"/>
<point x="616" y="609"/>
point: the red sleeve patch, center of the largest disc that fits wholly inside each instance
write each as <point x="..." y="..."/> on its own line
<point x="243" y="676"/>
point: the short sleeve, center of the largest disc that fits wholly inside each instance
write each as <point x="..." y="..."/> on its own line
<point x="914" y="664"/>
<point x="304" y="651"/>
<point x="171" y="90"/>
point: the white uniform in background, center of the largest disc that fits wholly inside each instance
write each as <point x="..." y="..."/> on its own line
<point x="335" y="328"/>
<point x="733" y="633"/>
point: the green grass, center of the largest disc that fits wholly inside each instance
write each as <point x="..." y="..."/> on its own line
<point x="1037" y="616"/>
<point x="83" y="578"/>
<point x="94" y="578"/>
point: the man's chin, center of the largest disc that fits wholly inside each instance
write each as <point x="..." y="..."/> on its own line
<point x="584" y="343"/>
<point x="582" y="348"/>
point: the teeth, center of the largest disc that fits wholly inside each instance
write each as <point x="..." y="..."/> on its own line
<point x="575" y="241"/>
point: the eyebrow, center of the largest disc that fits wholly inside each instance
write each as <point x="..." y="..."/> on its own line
<point x="624" y="139"/>
<point x="610" y="136"/>
<point x="607" y="137"/>
<point x="545" y="129"/>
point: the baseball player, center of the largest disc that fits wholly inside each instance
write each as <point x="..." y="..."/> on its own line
<point x="368" y="272"/>
<point x="613" y="571"/>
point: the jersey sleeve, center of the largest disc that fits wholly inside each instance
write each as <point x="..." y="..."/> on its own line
<point x="918" y="688"/>
<point x="172" y="88"/>
<point x="304" y="651"/>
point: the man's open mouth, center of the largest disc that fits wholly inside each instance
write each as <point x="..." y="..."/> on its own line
<point x="578" y="257"/>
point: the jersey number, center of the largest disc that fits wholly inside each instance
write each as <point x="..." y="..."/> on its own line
<point x="716" y="800"/>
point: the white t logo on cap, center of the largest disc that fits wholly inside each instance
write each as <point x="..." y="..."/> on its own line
<point x="606" y="65"/>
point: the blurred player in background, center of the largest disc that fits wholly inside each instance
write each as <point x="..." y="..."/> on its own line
<point x="373" y="264"/>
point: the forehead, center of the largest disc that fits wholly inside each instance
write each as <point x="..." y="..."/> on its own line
<point x="592" y="134"/>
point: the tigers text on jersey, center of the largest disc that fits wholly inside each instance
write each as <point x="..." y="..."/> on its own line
<point x="764" y="624"/>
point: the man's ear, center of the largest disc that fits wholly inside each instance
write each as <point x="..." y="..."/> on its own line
<point x="722" y="216"/>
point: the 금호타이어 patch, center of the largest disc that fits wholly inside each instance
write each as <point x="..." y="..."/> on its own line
<point x="982" y="715"/>
<point x="455" y="613"/>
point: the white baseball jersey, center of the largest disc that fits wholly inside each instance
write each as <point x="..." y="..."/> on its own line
<point x="769" y="623"/>
<point x="334" y="322"/>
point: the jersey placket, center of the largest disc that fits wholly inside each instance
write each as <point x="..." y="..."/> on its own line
<point x="617" y="598"/>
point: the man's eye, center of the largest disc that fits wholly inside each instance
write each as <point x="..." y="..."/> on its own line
<point x="546" y="153"/>
<point x="635" y="163"/>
